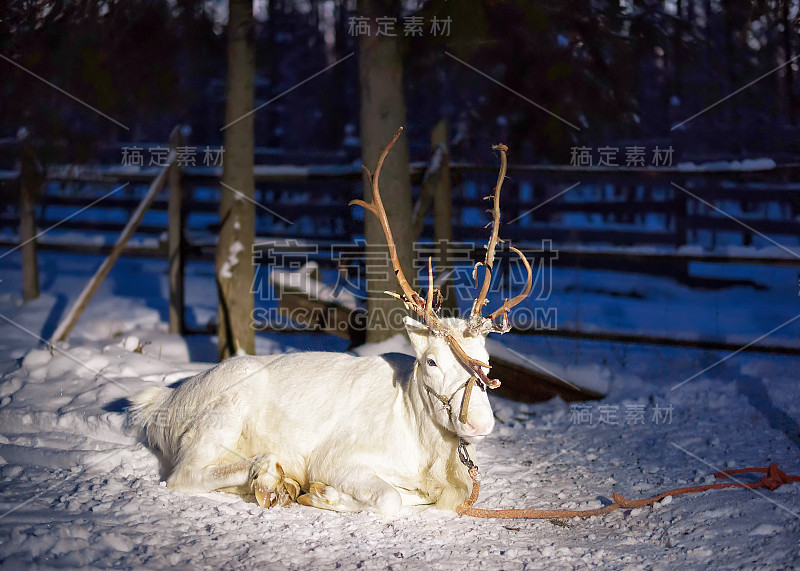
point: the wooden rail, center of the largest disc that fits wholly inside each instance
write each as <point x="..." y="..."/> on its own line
<point x="68" y="322"/>
<point x="619" y="220"/>
<point x="599" y="225"/>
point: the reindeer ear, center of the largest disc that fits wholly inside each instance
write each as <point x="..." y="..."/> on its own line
<point x="418" y="334"/>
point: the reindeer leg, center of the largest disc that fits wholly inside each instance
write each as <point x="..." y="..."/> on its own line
<point x="329" y="498"/>
<point x="357" y="490"/>
<point x="187" y="477"/>
<point x="261" y="475"/>
<point x="208" y="460"/>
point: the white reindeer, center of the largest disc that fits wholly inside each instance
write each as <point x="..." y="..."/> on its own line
<point x="354" y="433"/>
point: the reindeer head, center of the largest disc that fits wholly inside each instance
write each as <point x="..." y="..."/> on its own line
<point x="446" y="382"/>
<point x="451" y="352"/>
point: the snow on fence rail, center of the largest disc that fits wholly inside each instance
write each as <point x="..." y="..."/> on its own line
<point x="74" y="313"/>
<point x="596" y="217"/>
<point x="611" y="212"/>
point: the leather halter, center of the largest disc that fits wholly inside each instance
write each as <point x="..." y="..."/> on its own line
<point x="446" y="401"/>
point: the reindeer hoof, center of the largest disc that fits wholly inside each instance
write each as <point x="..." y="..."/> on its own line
<point x="316" y="496"/>
<point x="275" y="489"/>
<point x="292" y="488"/>
<point x="265" y="498"/>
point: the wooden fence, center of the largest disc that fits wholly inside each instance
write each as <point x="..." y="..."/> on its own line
<point x="656" y="219"/>
<point x="628" y="209"/>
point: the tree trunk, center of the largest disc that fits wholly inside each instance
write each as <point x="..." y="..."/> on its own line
<point x="175" y="244"/>
<point x="31" y="179"/>
<point x="791" y="101"/>
<point x="443" y="219"/>
<point x="677" y="55"/>
<point x="383" y="111"/>
<point x="237" y="211"/>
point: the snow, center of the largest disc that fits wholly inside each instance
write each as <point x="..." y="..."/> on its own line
<point x="234" y="250"/>
<point x="303" y="281"/>
<point x="720" y="251"/>
<point x="744" y="165"/>
<point x="80" y="490"/>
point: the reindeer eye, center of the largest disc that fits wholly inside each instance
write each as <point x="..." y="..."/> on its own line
<point x="431" y="362"/>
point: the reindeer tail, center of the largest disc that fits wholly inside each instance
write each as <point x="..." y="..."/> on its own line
<point x="147" y="405"/>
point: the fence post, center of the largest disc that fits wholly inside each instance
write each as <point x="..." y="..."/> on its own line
<point x="681" y="269"/>
<point x="681" y="214"/>
<point x="30" y="179"/>
<point x="74" y="313"/>
<point x="175" y="244"/>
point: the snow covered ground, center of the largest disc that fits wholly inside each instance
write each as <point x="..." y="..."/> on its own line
<point x="80" y="490"/>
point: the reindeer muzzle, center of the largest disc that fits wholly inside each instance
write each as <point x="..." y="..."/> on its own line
<point x="467" y="386"/>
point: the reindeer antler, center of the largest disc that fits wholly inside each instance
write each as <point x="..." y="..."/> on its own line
<point x="425" y="308"/>
<point x="477" y="322"/>
<point x="376" y="207"/>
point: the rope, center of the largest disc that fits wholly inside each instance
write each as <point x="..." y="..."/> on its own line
<point x="774" y="478"/>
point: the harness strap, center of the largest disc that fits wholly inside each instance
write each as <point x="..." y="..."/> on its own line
<point x="465" y="401"/>
<point x="442" y="399"/>
<point x="463" y="455"/>
<point x="467" y="386"/>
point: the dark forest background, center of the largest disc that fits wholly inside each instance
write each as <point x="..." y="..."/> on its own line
<point x="622" y="71"/>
